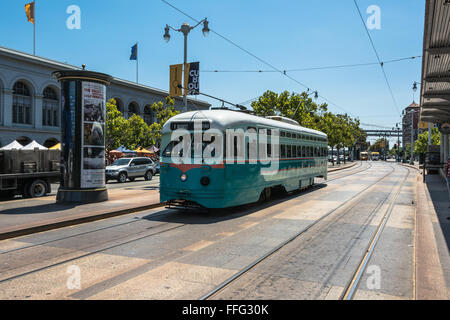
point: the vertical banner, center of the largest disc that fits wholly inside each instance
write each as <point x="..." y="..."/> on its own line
<point x="93" y="142"/>
<point x="176" y="73"/>
<point x="192" y="78"/>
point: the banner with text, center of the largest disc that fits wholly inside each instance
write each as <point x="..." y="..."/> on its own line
<point x="191" y="79"/>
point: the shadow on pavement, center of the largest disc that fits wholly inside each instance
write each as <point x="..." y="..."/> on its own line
<point x="43" y="208"/>
<point x="199" y="216"/>
<point x="441" y="202"/>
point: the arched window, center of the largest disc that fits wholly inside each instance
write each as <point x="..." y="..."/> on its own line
<point x="50" y="107"/>
<point x="21" y="103"/>
<point x="133" y="108"/>
<point x="148" y="114"/>
<point x="119" y="104"/>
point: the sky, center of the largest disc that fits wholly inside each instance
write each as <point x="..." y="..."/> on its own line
<point x="287" y="34"/>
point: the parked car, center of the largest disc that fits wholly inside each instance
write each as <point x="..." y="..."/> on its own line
<point x="130" y="168"/>
<point x="157" y="167"/>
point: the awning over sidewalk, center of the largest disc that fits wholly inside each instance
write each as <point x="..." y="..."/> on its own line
<point x="435" y="95"/>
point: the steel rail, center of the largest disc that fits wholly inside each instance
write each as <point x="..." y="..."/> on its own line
<point x="283" y="244"/>
<point x="158" y="213"/>
<point x="352" y="287"/>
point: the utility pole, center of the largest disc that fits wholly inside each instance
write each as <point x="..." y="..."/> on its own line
<point x="185" y="29"/>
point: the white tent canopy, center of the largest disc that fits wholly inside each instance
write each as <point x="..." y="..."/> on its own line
<point x="12" y="145"/>
<point x="33" y="145"/>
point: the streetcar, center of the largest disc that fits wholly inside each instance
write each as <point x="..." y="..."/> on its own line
<point x="364" y="156"/>
<point x="190" y="179"/>
<point x="375" y="156"/>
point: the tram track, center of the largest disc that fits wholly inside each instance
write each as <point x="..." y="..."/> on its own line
<point x="134" y="239"/>
<point x="157" y="214"/>
<point x="353" y="285"/>
<point x="245" y="270"/>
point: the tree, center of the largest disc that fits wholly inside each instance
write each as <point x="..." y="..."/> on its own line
<point x="115" y="126"/>
<point x="379" y="145"/>
<point x="299" y="107"/>
<point x="164" y="111"/>
<point x="135" y="132"/>
<point x="421" y="143"/>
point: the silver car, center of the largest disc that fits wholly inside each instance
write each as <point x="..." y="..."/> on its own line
<point x="130" y="168"/>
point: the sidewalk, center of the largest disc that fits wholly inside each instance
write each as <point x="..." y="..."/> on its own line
<point x="27" y="216"/>
<point x="432" y="259"/>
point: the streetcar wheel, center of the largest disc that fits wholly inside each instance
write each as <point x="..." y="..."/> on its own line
<point x="265" y="195"/>
<point x="38" y="188"/>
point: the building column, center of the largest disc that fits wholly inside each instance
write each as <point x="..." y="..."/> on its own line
<point x="7" y="109"/>
<point x="37" y="114"/>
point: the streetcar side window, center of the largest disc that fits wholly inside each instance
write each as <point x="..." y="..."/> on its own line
<point x="283" y="151"/>
<point x="294" y="152"/>
<point x="289" y="154"/>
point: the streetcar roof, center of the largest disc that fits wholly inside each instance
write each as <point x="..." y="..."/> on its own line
<point x="223" y="119"/>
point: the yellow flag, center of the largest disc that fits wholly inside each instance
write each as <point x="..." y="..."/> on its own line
<point x="29" y="10"/>
<point x="176" y="72"/>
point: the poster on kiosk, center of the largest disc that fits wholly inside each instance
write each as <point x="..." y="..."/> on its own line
<point x="93" y="141"/>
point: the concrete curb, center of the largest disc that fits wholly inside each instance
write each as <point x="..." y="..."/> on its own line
<point x="342" y="168"/>
<point x="410" y="166"/>
<point x="429" y="276"/>
<point x="67" y="223"/>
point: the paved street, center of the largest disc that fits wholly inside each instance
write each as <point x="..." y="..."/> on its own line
<point x="164" y="254"/>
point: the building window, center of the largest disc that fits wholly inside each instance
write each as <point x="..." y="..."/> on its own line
<point x="133" y="108"/>
<point x="50" y="106"/>
<point x="21" y="104"/>
<point x="119" y="104"/>
<point x="148" y="115"/>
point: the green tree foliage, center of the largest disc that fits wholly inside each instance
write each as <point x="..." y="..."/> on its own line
<point x="379" y="145"/>
<point x="134" y="132"/>
<point x="164" y="111"/>
<point x="421" y="143"/>
<point x="298" y="107"/>
<point x="115" y="126"/>
<point x="342" y="130"/>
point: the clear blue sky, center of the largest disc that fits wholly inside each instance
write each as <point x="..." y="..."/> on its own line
<point x="289" y="34"/>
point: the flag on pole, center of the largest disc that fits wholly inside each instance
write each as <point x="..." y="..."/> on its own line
<point x="29" y="10"/>
<point x="134" y="52"/>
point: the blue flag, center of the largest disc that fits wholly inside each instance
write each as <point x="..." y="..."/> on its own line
<point x="134" y="52"/>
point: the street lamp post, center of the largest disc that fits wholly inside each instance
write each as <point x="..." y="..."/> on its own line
<point x="185" y="29"/>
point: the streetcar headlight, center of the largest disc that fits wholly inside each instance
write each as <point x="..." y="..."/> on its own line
<point x="205" y="181"/>
<point x="183" y="177"/>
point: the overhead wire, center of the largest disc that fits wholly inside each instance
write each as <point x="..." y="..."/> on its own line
<point x="313" y="68"/>
<point x="378" y="57"/>
<point x="283" y="72"/>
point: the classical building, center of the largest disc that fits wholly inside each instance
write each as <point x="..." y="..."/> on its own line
<point x="410" y="122"/>
<point x="30" y="98"/>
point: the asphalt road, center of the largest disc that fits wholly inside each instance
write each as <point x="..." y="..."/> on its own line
<point x="163" y="254"/>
